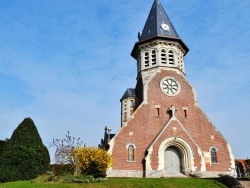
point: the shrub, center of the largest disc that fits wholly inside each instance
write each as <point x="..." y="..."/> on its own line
<point x="94" y="169"/>
<point x="24" y="156"/>
<point x="82" y="179"/>
<point x="62" y="169"/>
<point x="230" y="181"/>
<point x="92" y="161"/>
<point x="2" y="145"/>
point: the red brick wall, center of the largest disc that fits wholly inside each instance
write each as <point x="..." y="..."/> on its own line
<point x="146" y="125"/>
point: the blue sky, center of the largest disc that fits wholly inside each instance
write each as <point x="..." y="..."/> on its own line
<point x="66" y="64"/>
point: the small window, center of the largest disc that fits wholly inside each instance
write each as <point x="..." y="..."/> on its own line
<point x="213" y="155"/>
<point x="146" y="59"/>
<point x="125" y="117"/>
<point x="171" y="57"/>
<point x="131" y="153"/>
<point x="158" y="112"/>
<point x="163" y="57"/>
<point x="153" y="57"/>
<point x="131" y="103"/>
<point x="185" y="113"/>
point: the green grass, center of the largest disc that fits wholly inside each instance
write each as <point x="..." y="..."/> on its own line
<point x="124" y="183"/>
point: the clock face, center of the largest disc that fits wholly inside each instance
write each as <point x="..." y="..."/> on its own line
<point x="165" y="27"/>
<point x="170" y="86"/>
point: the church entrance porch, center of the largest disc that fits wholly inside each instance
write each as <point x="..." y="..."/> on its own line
<point x="175" y="157"/>
<point x="173" y="160"/>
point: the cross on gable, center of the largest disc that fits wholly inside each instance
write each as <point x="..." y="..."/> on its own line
<point x="172" y="109"/>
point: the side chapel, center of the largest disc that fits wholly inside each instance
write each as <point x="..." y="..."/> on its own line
<point x="163" y="130"/>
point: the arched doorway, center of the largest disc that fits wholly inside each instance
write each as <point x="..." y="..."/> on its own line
<point x="181" y="152"/>
<point x="172" y="160"/>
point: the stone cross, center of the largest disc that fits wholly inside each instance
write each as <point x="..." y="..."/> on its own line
<point x="172" y="109"/>
<point x="109" y="130"/>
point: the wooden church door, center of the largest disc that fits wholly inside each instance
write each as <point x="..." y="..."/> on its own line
<point x="172" y="158"/>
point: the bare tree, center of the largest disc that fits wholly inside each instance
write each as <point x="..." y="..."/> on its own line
<point x="64" y="149"/>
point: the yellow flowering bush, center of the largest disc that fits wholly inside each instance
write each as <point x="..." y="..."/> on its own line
<point x="87" y="157"/>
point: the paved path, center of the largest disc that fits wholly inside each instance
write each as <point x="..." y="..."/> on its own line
<point x="245" y="184"/>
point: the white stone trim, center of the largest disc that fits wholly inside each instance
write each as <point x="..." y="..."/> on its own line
<point x="130" y="144"/>
<point x="232" y="158"/>
<point x="173" y="79"/>
<point x="184" y="148"/>
<point x="159" y="45"/>
<point x="214" y="148"/>
<point x="125" y="173"/>
<point x="190" y="166"/>
<point x="203" y="161"/>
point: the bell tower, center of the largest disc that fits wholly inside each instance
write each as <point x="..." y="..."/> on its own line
<point x="159" y="45"/>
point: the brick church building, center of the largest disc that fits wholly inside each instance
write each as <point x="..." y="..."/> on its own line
<point x="163" y="131"/>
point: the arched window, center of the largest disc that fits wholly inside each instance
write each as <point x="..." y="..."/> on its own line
<point x="131" y="153"/>
<point x="146" y="59"/>
<point x="213" y="153"/>
<point x="163" y="57"/>
<point x="153" y="57"/>
<point x="131" y="103"/>
<point x="171" y="57"/>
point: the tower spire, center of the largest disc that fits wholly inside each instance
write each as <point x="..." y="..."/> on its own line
<point x="158" y="24"/>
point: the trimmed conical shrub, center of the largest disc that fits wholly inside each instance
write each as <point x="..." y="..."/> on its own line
<point x="24" y="156"/>
<point x="2" y="145"/>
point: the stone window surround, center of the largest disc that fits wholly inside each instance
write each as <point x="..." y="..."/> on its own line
<point x="216" y="157"/>
<point x="134" y="148"/>
<point x="161" y="46"/>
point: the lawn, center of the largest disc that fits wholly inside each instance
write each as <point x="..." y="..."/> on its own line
<point x="124" y="183"/>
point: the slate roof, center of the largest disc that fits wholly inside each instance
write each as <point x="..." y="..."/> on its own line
<point x="153" y="26"/>
<point x="130" y="92"/>
<point x="158" y="25"/>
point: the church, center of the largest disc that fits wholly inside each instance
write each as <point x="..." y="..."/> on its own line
<point x="164" y="133"/>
